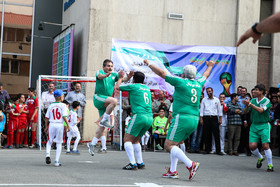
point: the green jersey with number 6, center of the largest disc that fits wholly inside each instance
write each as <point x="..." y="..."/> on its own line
<point x="139" y="97"/>
<point x="187" y="93"/>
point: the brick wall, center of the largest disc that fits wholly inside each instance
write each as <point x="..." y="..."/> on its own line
<point x="264" y="58"/>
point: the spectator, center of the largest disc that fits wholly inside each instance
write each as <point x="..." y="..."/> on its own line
<point x="158" y="127"/>
<point x="77" y="95"/>
<point x="247" y="125"/>
<point x="4" y="97"/>
<point x="277" y="122"/>
<point x="162" y="102"/>
<point x="239" y="88"/>
<point x="196" y="135"/>
<point x="253" y="93"/>
<point x="234" y="124"/>
<point x="274" y="104"/>
<point x="154" y="106"/>
<point x="2" y="123"/>
<point x="210" y="117"/>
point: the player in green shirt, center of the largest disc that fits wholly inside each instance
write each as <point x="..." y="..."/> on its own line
<point x="185" y="113"/>
<point x="141" y="121"/>
<point x="103" y="100"/>
<point x="260" y="127"/>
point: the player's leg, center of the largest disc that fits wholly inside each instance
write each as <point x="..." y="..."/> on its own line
<point x="95" y="139"/>
<point x="265" y="139"/>
<point x="129" y="149"/>
<point x="51" y="133"/>
<point x="110" y="103"/>
<point x="183" y="146"/>
<point x="103" y="148"/>
<point x="33" y="132"/>
<point x="78" y="138"/>
<point x="69" y="137"/>
<point x="58" y="140"/>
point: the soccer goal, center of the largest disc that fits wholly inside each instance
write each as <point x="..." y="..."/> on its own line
<point x="65" y="83"/>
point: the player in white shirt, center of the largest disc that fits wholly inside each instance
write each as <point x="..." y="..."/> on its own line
<point x="55" y="117"/>
<point x="73" y="120"/>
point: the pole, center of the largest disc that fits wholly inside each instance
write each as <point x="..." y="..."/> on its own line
<point x="40" y="112"/>
<point x="2" y="34"/>
<point x="32" y="38"/>
<point x="121" y="135"/>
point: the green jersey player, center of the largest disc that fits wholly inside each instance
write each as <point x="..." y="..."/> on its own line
<point x="141" y="121"/>
<point x="185" y="113"/>
<point x="260" y="127"/>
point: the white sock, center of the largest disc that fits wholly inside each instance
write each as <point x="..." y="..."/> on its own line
<point x="268" y="155"/>
<point x="130" y="152"/>
<point x="183" y="147"/>
<point x="174" y="162"/>
<point x="143" y="139"/>
<point x="147" y="139"/>
<point x="94" y="141"/>
<point x="48" y="148"/>
<point x="105" y="116"/>
<point x="68" y="143"/>
<point x="76" y="143"/>
<point x="257" y="153"/>
<point x="103" y="142"/>
<point x="58" y="151"/>
<point x="178" y="153"/>
<point x="138" y="152"/>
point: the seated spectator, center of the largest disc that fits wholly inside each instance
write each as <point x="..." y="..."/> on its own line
<point x="158" y="127"/>
<point x="234" y="124"/>
<point x="162" y="102"/>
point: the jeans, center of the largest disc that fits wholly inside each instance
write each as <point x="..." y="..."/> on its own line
<point x="196" y="137"/>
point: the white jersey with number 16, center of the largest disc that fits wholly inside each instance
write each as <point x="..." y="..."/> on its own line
<point x="56" y="112"/>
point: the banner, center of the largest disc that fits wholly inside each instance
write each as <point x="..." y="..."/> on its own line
<point x="129" y="55"/>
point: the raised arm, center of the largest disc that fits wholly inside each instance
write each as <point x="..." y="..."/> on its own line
<point x="121" y="75"/>
<point x="128" y="76"/>
<point x="155" y="69"/>
<point x="210" y="64"/>
<point x="268" y="25"/>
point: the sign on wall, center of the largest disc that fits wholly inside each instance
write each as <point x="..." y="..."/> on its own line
<point x="129" y="55"/>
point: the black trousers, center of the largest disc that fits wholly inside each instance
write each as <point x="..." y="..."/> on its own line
<point x="211" y="126"/>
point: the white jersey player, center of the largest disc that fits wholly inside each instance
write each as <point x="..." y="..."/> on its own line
<point x="55" y="117"/>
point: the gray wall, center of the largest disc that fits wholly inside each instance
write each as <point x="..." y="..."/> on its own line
<point x="48" y="11"/>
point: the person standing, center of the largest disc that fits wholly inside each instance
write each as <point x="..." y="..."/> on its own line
<point x="103" y="100"/>
<point x="4" y="97"/>
<point x="142" y="119"/>
<point x="162" y="102"/>
<point x="211" y="117"/>
<point x="234" y="124"/>
<point x="185" y="113"/>
<point x="260" y="127"/>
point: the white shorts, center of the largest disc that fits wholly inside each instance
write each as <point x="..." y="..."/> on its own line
<point x="74" y="132"/>
<point x="56" y="132"/>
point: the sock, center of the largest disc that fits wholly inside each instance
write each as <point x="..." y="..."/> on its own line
<point x="48" y="148"/>
<point x="178" y="153"/>
<point x="17" y="137"/>
<point x="183" y="147"/>
<point x="138" y="152"/>
<point x="174" y="162"/>
<point x="76" y="143"/>
<point x="68" y="143"/>
<point x="58" y="151"/>
<point x="257" y="153"/>
<point x="94" y="141"/>
<point x="26" y="138"/>
<point x="21" y="137"/>
<point x="33" y="137"/>
<point x="103" y="142"/>
<point x="268" y="155"/>
<point x="130" y="152"/>
<point x="147" y="138"/>
<point x="105" y="116"/>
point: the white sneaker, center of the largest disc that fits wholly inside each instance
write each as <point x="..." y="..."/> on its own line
<point x="106" y="124"/>
<point x="212" y="152"/>
<point x="90" y="149"/>
<point x="223" y="152"/>
<point x="57" y="163"/>
<point x="102" y="150"/>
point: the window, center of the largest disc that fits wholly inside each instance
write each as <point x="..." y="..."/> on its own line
<point x="11" y="34"/>
<point x="20" y="35"/>
<point x="266" y="10"/>
<point x="10" y="66"/>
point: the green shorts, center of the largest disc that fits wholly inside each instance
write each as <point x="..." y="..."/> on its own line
<point x="99" y="101"/>
<point x="260" y="132"/>
<point x="182" y="126"/>
<point x="139" y="124"/>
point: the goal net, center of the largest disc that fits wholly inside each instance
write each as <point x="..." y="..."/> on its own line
<point x="67" y="84"/>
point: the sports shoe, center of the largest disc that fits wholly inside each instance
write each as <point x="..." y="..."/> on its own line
<point x="212" y="152"/>
<point x="10" y="147"/>
<point x="270" y="168"/>
<point x="68" y="153"/>
<point x="169" y="174"/>
<point x="159" y="147"/>
<point x="90" y="149"/>
<point x="259" y="163"/>
<point x="130" y="167"/>
<point x="106" y="124"/>
<point x="193" y="169"/>
<point x="24" y="145"/>
<point x="102" y="150"/>
<point x="141" y="166"/>
<point x="76" y="152"/>
<point x="31" y="146"/>
<point x="21" y="146"/>
<point x="57" y="163"/>
<point x="48" y="160"/>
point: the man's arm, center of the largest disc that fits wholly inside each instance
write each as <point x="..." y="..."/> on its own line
<point x="248" y="104"/>
<point x="66" y="121"/>
<point x="268" y="25"/>
<point x="121" y="76"/>
<point x="155" y="69"/>
<point x="128" y="76"/>
<point x="210" y="64"/>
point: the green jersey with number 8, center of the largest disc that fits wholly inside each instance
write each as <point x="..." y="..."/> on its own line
<point x="139" y="97"/>
<point x="186" y="97"/>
